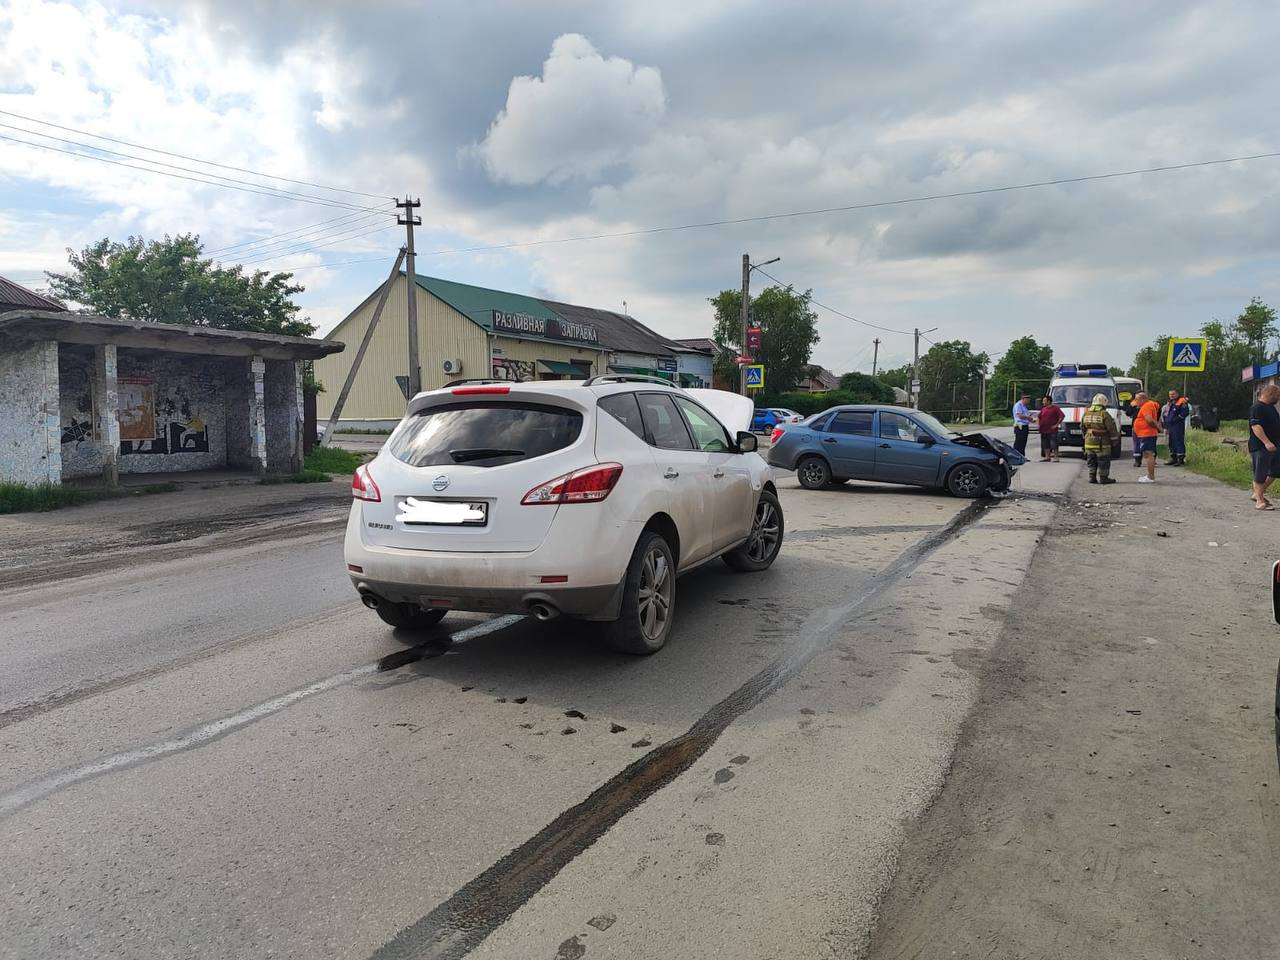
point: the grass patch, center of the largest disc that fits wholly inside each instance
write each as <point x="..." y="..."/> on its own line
<point x="331" y="460"/>
<point x="42" y="497"/>
<point x="383" y="432"/>
<point x="1209" y="456"/>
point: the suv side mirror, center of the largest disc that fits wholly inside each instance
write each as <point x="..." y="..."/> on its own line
<point x="747" y="442"/>
<point x="924" y="438"/>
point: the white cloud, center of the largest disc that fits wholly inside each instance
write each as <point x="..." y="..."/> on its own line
<point x="582" y="116"/>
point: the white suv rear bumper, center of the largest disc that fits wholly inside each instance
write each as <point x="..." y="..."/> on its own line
<point x="591" y="551"/>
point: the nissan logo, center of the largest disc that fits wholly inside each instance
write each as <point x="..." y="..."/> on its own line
<point x="440" y="483"/>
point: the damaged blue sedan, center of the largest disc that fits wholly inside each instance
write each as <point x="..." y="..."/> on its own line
<point x="892" y="445"/>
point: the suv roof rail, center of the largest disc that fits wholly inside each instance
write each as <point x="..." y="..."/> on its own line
<point x="628" y="378"/>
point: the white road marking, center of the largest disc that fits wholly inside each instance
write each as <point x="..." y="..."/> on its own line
<point x="39" y="789"/>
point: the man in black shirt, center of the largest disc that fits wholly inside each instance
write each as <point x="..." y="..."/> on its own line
<point x="1264" y="442"/>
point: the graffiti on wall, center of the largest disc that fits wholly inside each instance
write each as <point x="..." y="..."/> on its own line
<point x="164" y="426"/>
<point x="77" y="424"/>
<point x="517" y="370"/>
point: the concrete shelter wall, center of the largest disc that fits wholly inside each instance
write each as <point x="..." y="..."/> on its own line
<point x="30" y="447"/>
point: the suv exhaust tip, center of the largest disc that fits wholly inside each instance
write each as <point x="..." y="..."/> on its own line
<point x="543" y="611"/>
<point x="370" y="599"/>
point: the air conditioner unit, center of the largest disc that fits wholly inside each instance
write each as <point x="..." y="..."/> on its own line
<point x="451" y="366"/>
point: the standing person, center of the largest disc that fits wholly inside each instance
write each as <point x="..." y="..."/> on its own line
<point x="1049" y="418"/>
<point x="1264" y="441"/>
<point x="1175" y="415"/>
<point x="1131" y="408"/>
<point x="1101" y="433"/>
<point x="1146" y="427"/>
<point x="1021" y="423"/>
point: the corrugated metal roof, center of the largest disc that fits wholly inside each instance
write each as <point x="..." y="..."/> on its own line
<point x="478" y="303"/>
<point x="618" y="331"/>
<point x="702" y="345"/>
<point x="14" y="296"/>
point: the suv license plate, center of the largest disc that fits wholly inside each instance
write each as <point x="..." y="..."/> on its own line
<point x="413" y="512"/>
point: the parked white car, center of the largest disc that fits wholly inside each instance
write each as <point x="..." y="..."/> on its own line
<point x="576" y="498"/>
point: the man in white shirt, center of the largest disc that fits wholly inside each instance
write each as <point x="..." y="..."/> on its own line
<point x="1022" y="417"/>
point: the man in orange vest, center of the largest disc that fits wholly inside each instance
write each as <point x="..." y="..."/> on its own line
<point x="1146" y="427"/>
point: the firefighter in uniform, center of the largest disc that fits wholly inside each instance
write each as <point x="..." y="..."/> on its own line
<point x="1100" y="436"/>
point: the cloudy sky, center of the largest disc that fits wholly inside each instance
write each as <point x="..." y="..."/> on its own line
<point x="524" y="121"/>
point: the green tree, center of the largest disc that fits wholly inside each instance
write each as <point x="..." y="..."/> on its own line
<point x="169" y="281"/>
<point x="788" y="331"/>
<point x="1231" y="347"/>
<point x="866" y="388"/>
<point x="951" y="379"/>
<point x="1026" y="365"/>
<point x="898" y="377"/>
<point x="1256" y="325"/>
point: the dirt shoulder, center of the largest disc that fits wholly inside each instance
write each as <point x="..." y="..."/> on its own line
<point x="1115" y="792"/>
<point x="74" y="541"/>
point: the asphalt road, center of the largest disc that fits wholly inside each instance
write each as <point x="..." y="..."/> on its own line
<point x="221" y="753"/>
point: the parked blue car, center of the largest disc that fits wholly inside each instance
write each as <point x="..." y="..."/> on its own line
<point x="766" y="418"/>
<point x="892" y="445"/>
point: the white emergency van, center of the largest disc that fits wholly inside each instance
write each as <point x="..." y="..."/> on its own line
<point x="1127" y="388"/>
<point x="1073" y="388"/>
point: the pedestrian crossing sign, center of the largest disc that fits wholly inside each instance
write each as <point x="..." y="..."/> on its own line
<point x="1186" y="354"/>
<point x="755" y="376"/>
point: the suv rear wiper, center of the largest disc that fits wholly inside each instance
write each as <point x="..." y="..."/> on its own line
<point x="482" y="453"/>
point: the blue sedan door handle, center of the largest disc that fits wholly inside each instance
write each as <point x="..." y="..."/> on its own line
<point x="828" y="439"/>
<point x="884" y="446"/>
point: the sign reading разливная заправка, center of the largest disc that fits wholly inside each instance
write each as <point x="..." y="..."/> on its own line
<point x="552" y="328"/>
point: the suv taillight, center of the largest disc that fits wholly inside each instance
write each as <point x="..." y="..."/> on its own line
<point x="363" y="487"/>
<point x="588" y="485"/>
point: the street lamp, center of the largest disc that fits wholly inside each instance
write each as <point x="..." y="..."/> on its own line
<point x="747" y="267"/>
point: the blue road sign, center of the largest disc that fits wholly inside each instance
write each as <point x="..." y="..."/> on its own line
<point x="755" y="376"/>
<point x="1187" y="354"/>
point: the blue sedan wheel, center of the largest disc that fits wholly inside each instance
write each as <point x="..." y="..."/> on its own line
<point x="967" y="480"/>
<point x="813" y="473"/>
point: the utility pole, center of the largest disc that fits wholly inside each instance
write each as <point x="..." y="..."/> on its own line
<point x="915" y="372"/>
<point x="982" y="395"/>
<point x="409" y="221"/>
<point x="875" y="356"/>
<point x="746" y="303"/>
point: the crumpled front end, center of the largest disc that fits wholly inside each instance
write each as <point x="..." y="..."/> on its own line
<point x="1007" y="460"/>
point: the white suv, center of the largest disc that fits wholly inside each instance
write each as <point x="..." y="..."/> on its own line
<point x="579" y="498"/>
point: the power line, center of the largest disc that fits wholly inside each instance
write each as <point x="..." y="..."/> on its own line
<point x="337" y="263"/>
<point x="183" y="156"/>
<point x="818" y="303"/>
<point x="337" y="204"/>
<point x="275" y="191"/>
<point x="282" y="244"/>
<point x="318" y="246"/>
<point x="869" y="205"/>
<point x="279" y="236"/>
